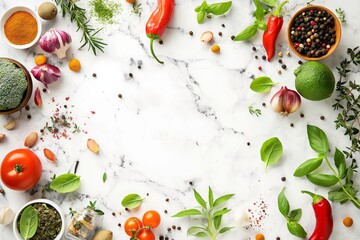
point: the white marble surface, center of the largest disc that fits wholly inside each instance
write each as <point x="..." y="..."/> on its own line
<point x="184" y="121"/>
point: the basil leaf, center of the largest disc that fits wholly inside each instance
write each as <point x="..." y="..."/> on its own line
<point x="271" y="151"/>
<point x="261" y="25"/>
<point x="225" y="229"/>
<point x="29" y="222"/>
<point x="221" y="212"/>
<point x="211" y="198"/>
<point x="202" y="7"/>
<point x="99" y="212"/>
<point x="340" y="163"/>
<point x="188" y="212"/>
<point x="200" y="17"/>
<point x="338" y="196"/>
<point x="65" y="183"/>
<point x="307" y="167"/>
<point x="271" y="3"/>
<point x="219" y="8"/>
<point x="283" y="204"/>
<point x="246" y="34"/>
<point x="295" y="215"/>
<point x="349" y="174"/>
<point x="259" y="12"/>
<point x="296" y="229"/>
<point x="104" y="177"/>
<point x="262" y="84"/>
<point x="202" y="235"/>
<point x="317" y="139"/>
<point x="324" y="180"/>
<point x="199" y="199"/>
<point x="356" y="203"/>
<point x="192" y="231"/>
<point x="222" y="199"/>
<point x="217" y="221"/>
<point x="131" y="201"/>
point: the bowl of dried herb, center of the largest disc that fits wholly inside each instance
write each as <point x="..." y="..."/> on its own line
<point x="39" y="219"/>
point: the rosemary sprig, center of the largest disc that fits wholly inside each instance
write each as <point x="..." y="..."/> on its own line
<point x="341" y="14"/>
<point x="78" y="15"/>
<point x="254" y="111"/>
<point x="348" y="102"/>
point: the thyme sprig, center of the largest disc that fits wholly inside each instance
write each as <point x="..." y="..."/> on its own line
<point x="348" y="102"/>
<point x="254" y="111"/>
<point x="341" y="15"/>
<point x="78" y="15"/>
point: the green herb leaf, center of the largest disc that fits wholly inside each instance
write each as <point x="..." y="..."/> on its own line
<point x="338" y="195"/>
<point x="219" y="8"/>
<point x="99" y="212"/>
<point x="211" y="198"/>
<point x="222" y="199"/>
<point x="324" y="180"/>
<point x="132" y="201"/>
<point x="188" y="212"/>
<point x="199" y="199"/>
<point x="202" y="7"/>
<point x="296" y="229"/>
<point x="225" y="229"/>
<point x="349" y="174"/>
<point x="247" y="33"/>
<point x="65" y="183"/>
<point x="283" y="204"/>
<point x="261" y="25"/>
<point x="340" y="163"/>
<point x="271" y="3"/>
<point x="307" y="167"/>
<point x="104" y="178"/>
<point x="221" y="212"/>
<point x="200" y="17"/>
<point x="202" y="234"/>
<point x="28" y="222"/>
<point x="317" y="139"/>
<point x="217" y="221"/>
<point x="271" y="151"/>
<point x="295" y="215"/>
<point x="192" y="231"/>
<point x="259" y="12"/>
<point x="262" y="84"/>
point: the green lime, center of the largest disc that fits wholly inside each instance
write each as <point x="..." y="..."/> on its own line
<point x="314" y="81"/>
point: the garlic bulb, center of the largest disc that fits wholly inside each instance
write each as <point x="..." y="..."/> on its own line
<point x="285" y="101"/>
<point x="55" y="41"/>
<point x="46" y="73"/>
<point x="6" y="216"/>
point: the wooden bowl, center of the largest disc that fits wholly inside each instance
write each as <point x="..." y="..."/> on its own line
<point x="27" y="93"/>
<point x="337" y="27"/>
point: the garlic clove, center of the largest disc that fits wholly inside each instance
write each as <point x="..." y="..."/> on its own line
<point x="285" y="101"/>
<point x="206" y="37"/>
<point x="243" y="219"/>
<point x="37" y="97"/>
<point x="50" y="155"/>
<point x="55" y="41"/>
<point x="46" y="73"/>
<point x="6" y="216"/>
<point x="93" y="146"/>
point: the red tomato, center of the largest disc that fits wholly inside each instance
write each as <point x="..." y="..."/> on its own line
<point x="146" y="235"/>
<point x="151" y="219"/>
<point x="21" y="169"/>
<point x="132" y="225"/>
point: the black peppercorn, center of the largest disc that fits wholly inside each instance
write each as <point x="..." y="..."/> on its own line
<point x="191" y="33"/>
<point x="283" y="179"/>
<point x="119" y="95"/>
<point x="283" y="66"/>
<point x="322" y="118"/>
<point x="131" y="75"/>
<point x="94" y="74"/>
<point x="280" y="61"/>
<point x="27" y="108"/>
<point x="248" y="143"/>
<point x="263" y="57"/>
<point x="161" y="42"/>
<point x="223" y="25"/>
<point x="302" y="115"/>
<point x="232" y="37"/>
<point x="254" y="49"/>
<point x="220" y="34"/>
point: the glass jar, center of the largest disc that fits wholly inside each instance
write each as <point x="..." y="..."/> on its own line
<point x="82" y="225"/>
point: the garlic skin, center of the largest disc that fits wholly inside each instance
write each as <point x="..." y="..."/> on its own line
<point x="285" y="101"/>
<point x="243" y="219"/>
<point x="6" y="216"/>
<point x="55" y="41"/>
<point x="46" y="73"/>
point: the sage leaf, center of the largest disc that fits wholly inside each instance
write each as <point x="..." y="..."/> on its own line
<point x="217" y="221"/>
<point x="200" y="17"/>
<point x="271" y="151"/>
<point x="219" y="8"/>
<point x="295" y="215"/>
<point x="104" y="177"/>
<point x="202" y="7"/>
<point x="340" y="163"/>
<point x="192" y="231"/>
<point x="65" y="183"/>
<point x="317" y="139"/>
<point x="247" y="33"/>
<point x="349" y="174"/>
<point x="259" y="11"/>
<point x="188" y="212"/>
<point x="338" y="196"/>
<point x="222" y="199"/>
<point x="307" y="167"/>
<point x="324" y="180"/>
<point x="211" y="198"/>
<point x="262" y="84"/>
<point x="225" y="229"/>
<point x="221" y="212"/>
<point x="201" y="235"/>
<point x="283" y="204"/>
<point x="132" y="201"/>
<point x="29" y="222"/>
<point x="271" y="3"/>
<point x="199" y="199"/>
<point x="296" y="229"/>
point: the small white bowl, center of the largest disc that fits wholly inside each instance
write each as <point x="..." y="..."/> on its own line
<point x="46" y="201"/>
<point x="6" y="16"/>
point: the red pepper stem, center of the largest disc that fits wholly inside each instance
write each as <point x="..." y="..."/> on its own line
<point x="316" y="198"/>
<point x="277" y="11"/>
<point x="152" y="51"/>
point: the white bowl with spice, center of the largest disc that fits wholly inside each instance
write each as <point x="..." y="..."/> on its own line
<point x="47" y="212"/>
<point x="20" y="27"/>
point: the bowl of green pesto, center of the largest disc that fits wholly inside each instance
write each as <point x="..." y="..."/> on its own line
<point x="15" y="86"/>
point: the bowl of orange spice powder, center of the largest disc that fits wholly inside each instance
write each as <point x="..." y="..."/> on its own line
<point x="20" y="27"/>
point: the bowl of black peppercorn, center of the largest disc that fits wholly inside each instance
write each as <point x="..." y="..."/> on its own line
<point x="314" y="32"/>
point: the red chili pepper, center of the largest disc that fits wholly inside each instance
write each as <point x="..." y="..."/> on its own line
<point x="274" y="25"/>
<point x="324" y="219"/>
<point x="158" y="21"/>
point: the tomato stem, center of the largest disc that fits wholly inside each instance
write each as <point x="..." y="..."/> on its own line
<point x="18" y="168"/>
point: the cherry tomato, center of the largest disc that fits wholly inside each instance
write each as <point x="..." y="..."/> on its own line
<point x="132" y="225"/>
<point x="131" y="1"/>
<point x="146" y="235"/>
<point x="151" y="219"/>
<point x="21" y="169"/>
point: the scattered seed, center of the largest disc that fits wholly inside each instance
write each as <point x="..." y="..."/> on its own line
<point x="283" y="66"/>
<point x="248" y="143"/>
<point x="191" y="183"/>
<point x="283" y="179"/>
<point x="31" y="139"/>
<point x="302" y="115"/>
<point x="178" y="228"/>
<point x="2" y="136"/>
<point x="280" y="54"/>
<point x="259" y="236"/>
<point x="279" y="71"/>
<point x="300" y="62"/>
<point x="167" y="200"/>
<point x="168" y="229"/>
<point x="173" y="227"/>
<point x="263" y="104"/>
<point x="10" y="125"/>
<point x="93" y="146"/>
<point x="191" y="33"/>
<point x="291" y="125"/>
<point x="165" y="211"/>
<point x="114" y="214"/>
<point x="322" y="118"/>
<point x="220" y="34"/>
<point x="277" y="238"/>
<point x="254" y="49"/>
<point x="2" y="191"/>
<point x="50" y="155"/>
<point x="348" y="221"/>
<point x="161" y="42"/>
<point x="44" y="90"/>
<point x="119" y="95"/>
<point x="27" y="108"/>
<point x="260" y="68"/>
<point x="94" y="75"/>
<point x="256" y="57"/>
<point x="126" y="209"/>
<point x="119" y="224"/>
<point x="288" y="54"/>
<point x="223" y="25"/>
<point x="280" y="61"/>
<point x="131" y="75"/>
<point x="263" y="57"/>
<point x="29" y="116"/>
<point x="232" y="37"/>
<point x="215" y="48"/>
